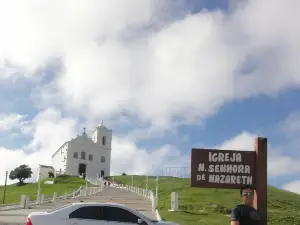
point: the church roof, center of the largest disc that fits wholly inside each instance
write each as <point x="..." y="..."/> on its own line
<point x="83" y="134"/>
<point x="59" y="148"/>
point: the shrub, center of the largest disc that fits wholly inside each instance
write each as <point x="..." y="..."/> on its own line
<point x="50" y="174"/>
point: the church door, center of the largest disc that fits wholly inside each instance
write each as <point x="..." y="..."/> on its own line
<point x="82" y="169"/>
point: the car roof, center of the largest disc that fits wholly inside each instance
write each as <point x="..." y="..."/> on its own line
<point x="98" y="204"/>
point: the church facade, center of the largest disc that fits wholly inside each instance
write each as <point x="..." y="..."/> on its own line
<point x="86" y="156"/>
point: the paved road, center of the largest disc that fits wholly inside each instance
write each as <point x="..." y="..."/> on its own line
<point x="132" y="200"/>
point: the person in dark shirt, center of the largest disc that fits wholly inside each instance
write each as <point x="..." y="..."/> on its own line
<point x="245" y="214"/>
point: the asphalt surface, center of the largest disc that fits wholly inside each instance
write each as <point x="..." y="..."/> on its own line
<point x="114" y="195"/>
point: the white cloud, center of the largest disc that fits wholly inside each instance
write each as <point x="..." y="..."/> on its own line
<point x="278" y="163"/>
<point x="285" y="158"/>
<point x="11" y="158"/>
<point x="282" y="165"/>
<point x="291" y="125"/>
<point x="127" y="157"/>
<point x="113" y="60"/>
<point x="8" y="122"/>
<point x="145" y="70"/>
<point x="49" y="131"/>
<point x="244" y="142"/>
<point x="293" y="186"/>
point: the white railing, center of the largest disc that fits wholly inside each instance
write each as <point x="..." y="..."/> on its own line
<point x="140" y="191"/>
<point x="80" y="192"/>
<point x="95" y="181"/>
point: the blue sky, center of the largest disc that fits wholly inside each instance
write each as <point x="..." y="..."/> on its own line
<point x="196" y="6"/>
<point x="188" y="74"/>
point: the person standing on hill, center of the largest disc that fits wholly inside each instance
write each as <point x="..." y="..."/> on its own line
<point x="245" y="214"/>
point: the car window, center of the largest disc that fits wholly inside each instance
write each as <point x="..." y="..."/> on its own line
<point x="119" y="215"/>
<point x="88" y="212"/>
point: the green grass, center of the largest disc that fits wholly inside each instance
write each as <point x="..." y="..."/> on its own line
<point x="212" y="206"/>
<point x="63" y="184"/>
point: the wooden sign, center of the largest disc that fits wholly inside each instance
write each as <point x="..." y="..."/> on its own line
<point x="211" y="168"/>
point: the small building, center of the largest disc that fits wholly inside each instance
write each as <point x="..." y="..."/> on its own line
<point x="43" y="171"/>
<point x="86" y="156"/>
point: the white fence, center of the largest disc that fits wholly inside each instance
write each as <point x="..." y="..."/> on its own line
<point x="95" y="181"/>
<point x="80" y="192"/>
<point x="140" y="191"/>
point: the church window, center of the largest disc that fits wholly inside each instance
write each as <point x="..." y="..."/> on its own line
<point x="75" y="155"/>
<point x="83" y="155"/>
<point x="90" y="157"/>
<point x="103" y="141"/>
<point x="102" y="159"/>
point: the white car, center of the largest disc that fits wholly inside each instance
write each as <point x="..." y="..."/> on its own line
<point x="87" y="213"/>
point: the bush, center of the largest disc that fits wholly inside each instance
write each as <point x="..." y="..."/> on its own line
<point x="222" y="209"/>
<point x="50" y="174"/>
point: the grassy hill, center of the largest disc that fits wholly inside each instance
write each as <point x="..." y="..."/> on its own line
<point x="63" y="183"/>
<point x="212" y="206"/>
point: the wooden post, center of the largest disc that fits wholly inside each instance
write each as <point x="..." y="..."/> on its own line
<point x="261" y="194"/>
<point x="5" y="185"/>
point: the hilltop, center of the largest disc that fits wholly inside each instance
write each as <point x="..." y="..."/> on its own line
<point x="212" y="206"/>
<point x="62" y="184"/>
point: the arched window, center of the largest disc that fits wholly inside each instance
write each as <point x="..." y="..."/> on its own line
<point x="83" y="155"/>
<point x="102" y="159"/>
<point x="90" y="157"/>
<point x="103" y="141"/>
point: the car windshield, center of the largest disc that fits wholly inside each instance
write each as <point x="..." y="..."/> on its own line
<point x="59" y="208"/>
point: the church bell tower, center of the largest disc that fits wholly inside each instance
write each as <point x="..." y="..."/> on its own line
<point x="102" y="136"/>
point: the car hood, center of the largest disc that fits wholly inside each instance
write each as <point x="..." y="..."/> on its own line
<point x="37" y="214"/>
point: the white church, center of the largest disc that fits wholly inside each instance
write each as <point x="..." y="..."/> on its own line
<point x="82" y="155"/>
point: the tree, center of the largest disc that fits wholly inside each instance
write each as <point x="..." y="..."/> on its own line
<point x="124" y="174"/>
<point x="21" y="173"/>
